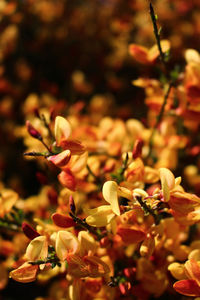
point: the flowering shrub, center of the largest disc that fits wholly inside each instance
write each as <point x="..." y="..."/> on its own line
<point x="115" y="212"/>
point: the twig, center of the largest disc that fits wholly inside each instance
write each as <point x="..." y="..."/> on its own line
<point x="33" y="153"/>
<point x="42" y="117"/>
<point x="53" y="260"/>
<point x="157" y="34"/>
<point x="148" y="209"/>
<point x="86" y="226"/>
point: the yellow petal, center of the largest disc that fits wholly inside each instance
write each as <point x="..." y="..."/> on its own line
<point x="62" y="129"/>
<point x="195" y="254"/>
<point x="140" y="193"/>
<point x="37" y="249"/>
<point x="78" y="162"/>
<point x="66" y="242"/>
<point x="110" y="195"/>
<point x="167" y="182"/>
<point x="177" y="270"/>
<point x="87" y="242"/>
<point x="100" y="216"/>
<point x="75" y="290"/>
<point x="192" y="55"/>
<point x="124" y="192"/>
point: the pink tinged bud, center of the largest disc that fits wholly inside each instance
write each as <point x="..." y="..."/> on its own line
<point x="61" y="159"/>
<point x="67" y="179"/>
<point x="30" y="232"/>
<point x="124" y="287"/>
<point x="137" y="149"/>
<point x="32" y="131"/>
<point x="62" y="220"/>
<point x="72" y="204"/>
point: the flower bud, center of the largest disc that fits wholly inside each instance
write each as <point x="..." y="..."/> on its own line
<point x="29" y="231"/>
<point x="137" y="149"/>
<point x="72" y="204"/>
<point x="32" y="131"/>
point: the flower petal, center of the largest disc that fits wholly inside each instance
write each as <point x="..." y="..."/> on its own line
<point x="61" y="159"/>
<point x="139" y="53"/>
<point x="62" y="220"/>
<point x="187" y="288"/>
<point x="62" y="129"/>
<point x="167" y="182"/>
<point x="37" y="249"/>
<point x="100" y="216"/>
<point x="110" y="195"/>
<point x="87" y="242"/>
<point x="67" y="179"/>
<point x="75" y="147"/>
<point x="177" y="270"/>
<point x="192" y="269"/>
<point x="192" y="55"/>
<point x="131" y="235"/>
<point x="25" y="273"/>
<point x="66" y="243"/>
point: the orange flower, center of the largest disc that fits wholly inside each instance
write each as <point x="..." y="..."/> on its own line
<point x="91" y="266"/>
<point x="62" y="131"/>
<point x="25" y="273"/>
<point x="191" y="285"/>
<point x="148" y="56"/>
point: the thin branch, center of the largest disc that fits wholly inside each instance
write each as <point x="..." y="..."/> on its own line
<point x="157" y="34"/>
<point x="42" y="117"/>
<point x="148" y="209"/>
<point x="86" y="226"/>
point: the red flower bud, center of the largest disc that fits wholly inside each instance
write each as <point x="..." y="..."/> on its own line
<point x="32" y="131"/>
<point x="72" y="204"/>
<point x="137" y="149"/>
<point x="29" y="231"/>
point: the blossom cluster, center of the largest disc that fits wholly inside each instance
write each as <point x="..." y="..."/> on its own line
<point x="117" y="208"/>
